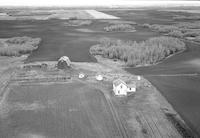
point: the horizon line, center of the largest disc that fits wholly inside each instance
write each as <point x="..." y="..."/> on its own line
<point x="102" y="3"/>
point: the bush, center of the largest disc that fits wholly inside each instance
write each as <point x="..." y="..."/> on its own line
<point x="180" y="30"/>
<point x="119" y="27"/>
<point x="161" y="28"/>
<point x="150" y="51"/>
<point x="189" y="25"/>
<point x="191" y="17"/>
<point x="176" y="33"/>
<point x="17" y="46"/>
<point x="114" y="21"/>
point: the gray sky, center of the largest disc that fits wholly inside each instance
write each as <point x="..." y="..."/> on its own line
<point x="97" y="2"/>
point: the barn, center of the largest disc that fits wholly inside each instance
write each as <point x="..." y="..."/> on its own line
<point x="64" y="63"/>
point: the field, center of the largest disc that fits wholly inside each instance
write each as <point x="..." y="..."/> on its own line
<point x="46" y="14"/>
<point x="59" y="110"/>
<point x="79" y="104"/>
<point x="58" y="36"/>
<point x="39" y="102"/>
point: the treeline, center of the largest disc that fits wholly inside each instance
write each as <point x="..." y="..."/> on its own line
<point x="161" y="28"/>
<point x="133" y="53"/>
<point x="120" y="28"/>
<point x="185" y="30"/>
<point x="190" y="17"/>
<point x="17" y="46"/>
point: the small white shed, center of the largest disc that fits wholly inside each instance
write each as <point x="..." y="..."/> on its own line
<point x="138" y="77"/>
<point x="81" y="75"/>
<point x="99" y="77"/>
<point x="131" y="87"/>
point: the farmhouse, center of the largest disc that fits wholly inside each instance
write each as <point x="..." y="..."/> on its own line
<point x="120" y="87"/>
<point x="64" y="63"/>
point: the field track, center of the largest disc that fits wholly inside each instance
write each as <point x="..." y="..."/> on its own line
<point x="115" y="115"/>
<point x="116" y="118"/>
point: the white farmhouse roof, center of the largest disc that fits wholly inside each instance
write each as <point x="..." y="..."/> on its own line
<point x="118" y="82"/>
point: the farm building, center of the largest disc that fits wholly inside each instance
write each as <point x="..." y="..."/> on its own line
<point x="131" y="87"/>
<point x="99" y="77"/>
<point x="120" y="87"/>
<point x="81" y="75"/>
<point x="64" y="63"/>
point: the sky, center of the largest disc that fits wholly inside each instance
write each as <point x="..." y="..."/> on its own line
<point x="98" y="2"/>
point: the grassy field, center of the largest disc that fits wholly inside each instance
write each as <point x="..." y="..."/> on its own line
<point x="76" y="22"/>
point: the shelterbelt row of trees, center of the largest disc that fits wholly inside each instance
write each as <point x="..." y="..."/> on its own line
<point x="187" y="30"/>
<point x="135" y="53"/>
<point x="17" y="46"/>
<point x="120" y="28"/>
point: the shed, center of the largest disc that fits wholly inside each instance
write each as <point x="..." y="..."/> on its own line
<point x="81" y="75"/>
<point x="131" y="87"/>
<point x="99" y="77"/>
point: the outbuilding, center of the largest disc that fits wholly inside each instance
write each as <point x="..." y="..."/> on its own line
<point x="99" y="77"/>
<point x="64" y="62"/>
<point x="131" y="87"/>
<point x="81" y="75"/>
